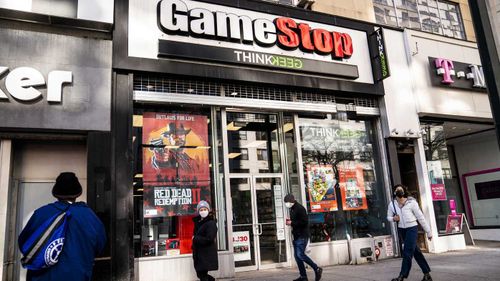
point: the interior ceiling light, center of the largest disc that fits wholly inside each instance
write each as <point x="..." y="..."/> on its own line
<point x="233" y="127"/>
<point x="137" y="121"/>
<point x="233" y="155"/>
<point x="190" y="90"/>
<point x="234" y="94"/>
<point x="287" y="127"/>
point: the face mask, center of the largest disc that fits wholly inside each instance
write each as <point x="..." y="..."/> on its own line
<point x="203" y="214"/>
<point x="288" y="205"/>
<point x="400" y="193"/>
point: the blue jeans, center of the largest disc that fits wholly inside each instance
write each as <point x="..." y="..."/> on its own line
<point x="299" y="247"/>
<point x="411" y="250"/>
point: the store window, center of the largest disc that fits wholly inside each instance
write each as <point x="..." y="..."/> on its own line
<point x="174" y="167"/>
<point x="439" y="17"/>
<point x="343" y="194"/>
<point x="260" y="143"/>
<point x="443" y="177"/>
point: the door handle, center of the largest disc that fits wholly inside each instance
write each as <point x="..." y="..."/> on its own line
<point x="259" y="229"/>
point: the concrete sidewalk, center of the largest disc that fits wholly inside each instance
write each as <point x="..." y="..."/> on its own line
<point x="481" y="262"/>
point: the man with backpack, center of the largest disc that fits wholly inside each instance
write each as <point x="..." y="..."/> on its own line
<point x="61" y="239"/>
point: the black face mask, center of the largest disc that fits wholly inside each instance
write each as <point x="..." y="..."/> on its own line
<point x="400" y="193"/>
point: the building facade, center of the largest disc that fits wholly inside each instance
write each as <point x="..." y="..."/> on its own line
<point x="233" y="106"/>
<point x="240" y="103"/>
<point x="55" y="103"/>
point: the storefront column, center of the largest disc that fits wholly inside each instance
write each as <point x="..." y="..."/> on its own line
<point x="121" y="237"/>
<point x="99" y="195"/>
<point x="425" y="193"/>
<point x="5" y="169"/>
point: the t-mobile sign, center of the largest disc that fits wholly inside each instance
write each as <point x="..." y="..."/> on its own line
<point x="453" y="74"/>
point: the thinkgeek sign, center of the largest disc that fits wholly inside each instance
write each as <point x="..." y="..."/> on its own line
<point x="207" y="32"/>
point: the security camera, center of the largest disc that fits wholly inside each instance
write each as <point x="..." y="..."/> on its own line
<point x="410" y="132"/>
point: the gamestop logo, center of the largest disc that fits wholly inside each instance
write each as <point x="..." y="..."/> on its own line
<point x="175" y="18"/>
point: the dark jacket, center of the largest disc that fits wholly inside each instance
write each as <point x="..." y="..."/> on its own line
<point x="85" y="238"/>
<point x="300" y="222"/>
<point x="205" y="244"/>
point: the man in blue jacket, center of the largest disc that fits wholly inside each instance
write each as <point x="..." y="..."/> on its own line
<point x="85" y="235"/>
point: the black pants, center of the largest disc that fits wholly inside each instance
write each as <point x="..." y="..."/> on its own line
<point x="204" y="276"/>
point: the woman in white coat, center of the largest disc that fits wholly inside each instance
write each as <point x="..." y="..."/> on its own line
<point x="404" y="210"/>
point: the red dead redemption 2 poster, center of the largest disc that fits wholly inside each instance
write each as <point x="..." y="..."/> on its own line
<point x="176" y="171"/>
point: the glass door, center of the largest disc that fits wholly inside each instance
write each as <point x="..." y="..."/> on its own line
<point x="259" y="238"/>
<point x="270" y="220"/>
<point x="244" y="227"/>
<point x="254" y="169"/>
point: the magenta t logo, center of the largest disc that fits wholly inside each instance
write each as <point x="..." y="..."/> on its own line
<point x="446" y="69"/>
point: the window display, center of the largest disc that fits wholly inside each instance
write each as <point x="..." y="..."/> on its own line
<point x="173" y="172"/>
<point x="444" y="184"/>
<point x="342" y="193"/>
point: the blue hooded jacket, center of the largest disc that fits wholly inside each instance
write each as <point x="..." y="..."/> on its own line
<point x="85" y="238"/>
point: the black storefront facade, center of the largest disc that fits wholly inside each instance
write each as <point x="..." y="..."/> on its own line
<point x="55" y="112"/>
<point x="239" y="104"/>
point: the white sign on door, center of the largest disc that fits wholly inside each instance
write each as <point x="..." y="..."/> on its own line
<point x="241" y="246"/>
<point x="278" y="205"/>
<point x="388" y="246"/>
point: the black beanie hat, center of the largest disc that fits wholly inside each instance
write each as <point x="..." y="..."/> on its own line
<point x="289" y="198"/>
<point x="67" y="186"/>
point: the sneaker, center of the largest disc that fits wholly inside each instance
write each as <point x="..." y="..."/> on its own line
<point x="427" y="277"/>
<point x="318" y="273"/>
<point x="300" y="279"/>
<point x="399" y="278"/>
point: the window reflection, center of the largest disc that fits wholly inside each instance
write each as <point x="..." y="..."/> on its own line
<point x="253" y="143"/>
<point x="442" y="173"/>
<point x="173" y="170"/>
<point x="343" y="194"/>
<point x="438" y="17"/>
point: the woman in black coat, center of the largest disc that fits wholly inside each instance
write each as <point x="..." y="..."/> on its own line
<point x="204" y="242"/>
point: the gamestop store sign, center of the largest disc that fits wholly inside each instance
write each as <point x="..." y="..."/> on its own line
<point x="206" y="32"/>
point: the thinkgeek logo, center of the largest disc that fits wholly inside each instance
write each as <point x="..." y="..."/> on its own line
<point x="175" y="18"/>
<point x="446" y="69"/>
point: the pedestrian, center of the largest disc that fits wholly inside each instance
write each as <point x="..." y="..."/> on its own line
<point x="204" y="242"/>
<point x="84" y="238"/>
<point x="299" y="221"/>
<point x="404" y="210"/>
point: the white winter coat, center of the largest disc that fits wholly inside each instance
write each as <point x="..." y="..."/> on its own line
<point x="409" y="214"/>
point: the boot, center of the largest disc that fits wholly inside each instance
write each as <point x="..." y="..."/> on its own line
<point x="300" y="279"/>
<point x="399" y="278"/>
<point x="427" y="277"/>
<point x="318" y="274"/>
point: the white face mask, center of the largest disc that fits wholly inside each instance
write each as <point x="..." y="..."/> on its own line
<point x="288" y="205"/>
<point x="204" y="214"/>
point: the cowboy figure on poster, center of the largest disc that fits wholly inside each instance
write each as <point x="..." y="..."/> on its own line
<point x="168" y="149"/>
